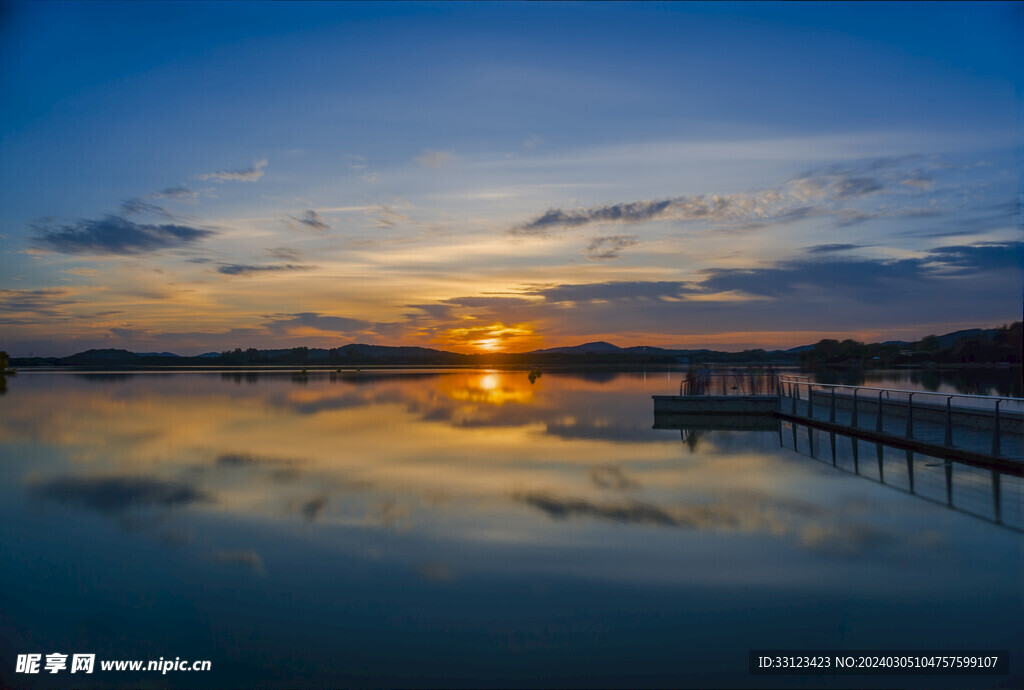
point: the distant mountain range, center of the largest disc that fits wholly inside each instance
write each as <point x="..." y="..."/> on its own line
<point x="599" y="352"/>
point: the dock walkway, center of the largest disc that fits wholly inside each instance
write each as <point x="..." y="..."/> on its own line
<point x="945" y="424"/>
<point x="986" y="431"/>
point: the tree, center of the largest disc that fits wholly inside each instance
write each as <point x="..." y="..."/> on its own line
<point x="929" y="343"/>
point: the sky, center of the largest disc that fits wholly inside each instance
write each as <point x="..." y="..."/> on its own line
<point x="481" y="177"/>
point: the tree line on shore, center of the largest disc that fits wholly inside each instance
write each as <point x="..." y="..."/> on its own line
<point x="1001" y="345"/>
<point x="989" y="346"/>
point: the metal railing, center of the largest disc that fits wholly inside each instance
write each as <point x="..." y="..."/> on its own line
<point x="789" y="387"/>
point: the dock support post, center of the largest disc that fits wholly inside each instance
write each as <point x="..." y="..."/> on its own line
<point x="996" y="448"/>
<point x="910" y="416"/>
<point x="949" y="422"/>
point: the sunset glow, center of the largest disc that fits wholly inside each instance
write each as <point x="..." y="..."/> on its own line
<point x="472" y="177"/>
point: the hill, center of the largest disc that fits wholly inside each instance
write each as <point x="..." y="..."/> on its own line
<point x="992" y="345"/>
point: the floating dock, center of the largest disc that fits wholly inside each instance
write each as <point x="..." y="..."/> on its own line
<point x="981" y="430"/>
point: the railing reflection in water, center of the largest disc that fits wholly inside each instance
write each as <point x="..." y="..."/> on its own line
<point x="988" y="494"/>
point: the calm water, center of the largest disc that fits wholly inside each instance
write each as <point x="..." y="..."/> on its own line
<point x="468" y="528"/>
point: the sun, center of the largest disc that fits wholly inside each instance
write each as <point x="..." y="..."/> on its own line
<point x="494" y="338"/>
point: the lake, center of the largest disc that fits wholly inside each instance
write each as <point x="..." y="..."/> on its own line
<point x="468" y="528"/>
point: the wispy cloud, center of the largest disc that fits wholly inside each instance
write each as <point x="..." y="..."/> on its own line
<point x="285" y="253"/>
<point x="283" y="323"/>
<point x="248" y="269"/>
<point x="115" y="235"/>
<point x="180" y="192"/>
<point x="133" y="207"/>
<point x="839" y="191"/>
<point x="981" y="257"/>
<point x="610" y="247"/>
<point x="710" y="208"/>
<point x="310" y="219"/>
<point x="616" y="291"/>
<point x="433" y="159"/>
<point x="115" y="494"/>
<point x="28" y="306"/>
<point x="250" y="174"/>
<point x="385" y="216"/>
<point x="830" y="248"/>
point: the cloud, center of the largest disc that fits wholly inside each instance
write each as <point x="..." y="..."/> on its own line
<point x="829" y="248"/>
<point x="248" y="175"/>
<point x="611" y="477"/>
<point x="977" y="258"/>
<point x="180" y="192"/>
<point x="433" y="159"/>
<point x="610" y="247"/>
<point x="116" y="235"/>
<point x="486" y="302"/>
<point x="247" y="269"/>
<point x="861" y="279"/>
<point x="129" y="333"/>
<point x="384" y="216"/>
<point x="617" y="291"/>
<point x="837" y="190"/>
<point x="286" y="322"/>
<point x="250" y="460"/>
<point x="114" y="494"/>
<point x="496" y="336"/>
<point x="313" y="508"/>
<point x="285" y="253"/>
<point x="856" y="186"/>
<point x="631" y="512"/>
<point x="46" y="302"/>
<point x="712" y="208"/>
<point x="533" y="141"/>
<point x="136" y="206"/>
<point x="633" y="212"/>
<point x="921" y="182"/>
<point x="248" y="558"/>
<point x="311" y="219"/>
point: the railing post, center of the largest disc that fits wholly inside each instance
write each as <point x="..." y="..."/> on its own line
<point x="853" y="421"/>
<point x="832" y="411"/>
<point x="949" y="422"/>
<point x="810" y="401"/>
<point x="796" y="396"/>
<point x="996" y="448"/>
<point x="878" y="424"/>
<point x="910" y="415"/>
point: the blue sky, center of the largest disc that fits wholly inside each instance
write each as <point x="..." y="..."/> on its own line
<point x="506" y="176"/>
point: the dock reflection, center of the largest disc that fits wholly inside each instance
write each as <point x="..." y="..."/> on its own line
<point x="988" y="494"/>
<point x="993" y="495"/>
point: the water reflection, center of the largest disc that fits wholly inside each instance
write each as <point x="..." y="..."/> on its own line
<point x="1001" y="382"/>
<point x="990" y="494"/>
<point x="421" y="519"/>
